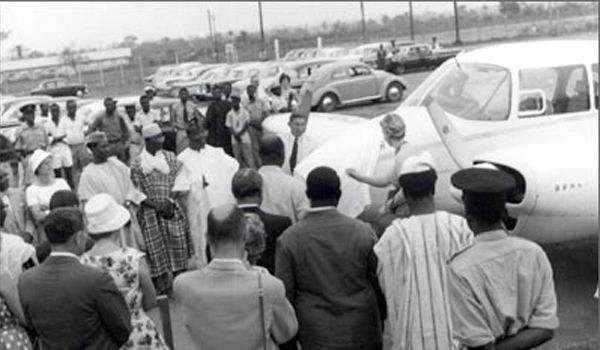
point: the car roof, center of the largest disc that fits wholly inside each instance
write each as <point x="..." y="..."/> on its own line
<point x="535" y="54"/>
<point x="339" y="64"/>
<point x="305" y="63"/>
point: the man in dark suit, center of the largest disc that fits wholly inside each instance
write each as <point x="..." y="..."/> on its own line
<point x="328" y="266"/>
<point x="246" y="186"/>
<point x="70" y="305"/>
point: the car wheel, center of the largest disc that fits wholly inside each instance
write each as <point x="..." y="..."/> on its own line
<point x="80" y="93"/>
<point x="394" y="92"/>
<point x="329" y="102"/>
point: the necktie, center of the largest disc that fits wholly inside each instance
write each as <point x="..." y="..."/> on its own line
<point x="294" y="155"/>
<point x="185" y="114"/>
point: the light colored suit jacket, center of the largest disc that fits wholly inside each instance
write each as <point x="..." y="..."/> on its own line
<point x="220" y="307"/>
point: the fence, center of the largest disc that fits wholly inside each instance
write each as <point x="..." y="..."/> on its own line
<point x="128" y="80"/>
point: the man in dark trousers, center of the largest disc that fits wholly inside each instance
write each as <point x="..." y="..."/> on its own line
<point x="501" y="288"/>
<point x="216" y="114"/>
<point x="246" y="186"/>
<point x="328" y="266"/>
<point x="70" y="305"/>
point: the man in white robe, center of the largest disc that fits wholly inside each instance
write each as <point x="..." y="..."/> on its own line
<point x="109" y="175"/>
<point x="413" y="254"/>
<point x="210" y="172"/>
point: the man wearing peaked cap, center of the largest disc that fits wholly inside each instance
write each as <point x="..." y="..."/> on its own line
<point x="521" y="311"/>
<point x="418" y="248"/>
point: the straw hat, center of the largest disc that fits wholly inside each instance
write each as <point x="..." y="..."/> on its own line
<point x="104" y="214"/>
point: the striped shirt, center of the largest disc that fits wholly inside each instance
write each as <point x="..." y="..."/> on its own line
<point x="413" y="254"/>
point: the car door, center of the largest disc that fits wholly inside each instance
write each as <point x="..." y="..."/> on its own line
<point x="50" y="88"/>
<point x="363" y="83"/>
<point x="340" y="81"/>
<point x="62" y="89"/>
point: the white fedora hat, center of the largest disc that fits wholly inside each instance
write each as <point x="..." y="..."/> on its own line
<point x="104" y="214"/>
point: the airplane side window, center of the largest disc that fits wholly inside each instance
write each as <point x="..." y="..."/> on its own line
<point x="565" y="89"/>
<point x="577" y="91"/>
<point x="538" y="79"/>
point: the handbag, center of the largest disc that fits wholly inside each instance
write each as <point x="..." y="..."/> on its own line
<point x="261" y="304"/>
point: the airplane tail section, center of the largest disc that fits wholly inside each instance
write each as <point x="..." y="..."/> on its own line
<point x="452" y="139"/>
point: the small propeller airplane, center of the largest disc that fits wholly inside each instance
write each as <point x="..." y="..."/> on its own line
<point x="530" y="109"/>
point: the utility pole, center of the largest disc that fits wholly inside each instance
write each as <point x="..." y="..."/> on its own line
<point x="214" y="24"/>
<point x="364" y="25"/>
<point x="412" y="26"/>
<point x="262" y="31"/>
<point x="457" y="41"/>
<point x="213" y="34"/>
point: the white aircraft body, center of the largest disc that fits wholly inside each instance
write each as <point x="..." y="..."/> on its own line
<point x="529" y="108"/>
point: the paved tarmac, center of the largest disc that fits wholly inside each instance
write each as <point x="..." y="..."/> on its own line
<point x="575" y="270"/>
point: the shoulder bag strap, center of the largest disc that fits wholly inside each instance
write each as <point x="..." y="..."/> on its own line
<point x="261" y="303"/>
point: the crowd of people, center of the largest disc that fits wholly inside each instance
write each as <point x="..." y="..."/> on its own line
<point x="206" y="210"/>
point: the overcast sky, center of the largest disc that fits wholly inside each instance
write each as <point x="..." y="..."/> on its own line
<point x="51" y="26"/>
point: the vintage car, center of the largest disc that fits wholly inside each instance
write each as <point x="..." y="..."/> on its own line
<point x="293" y="55"/>
<point x="169" y="86"/>
<point x="174" y="73"/>
<point x="518" y="106"/>
<point x="94" y="110"/>
<point x="419" y="56"/>
<point x="346" y="82"/>
<point x="10" y="119"/>
<point x="268" y="76"/>
<point x="367" y="53"/>
<point x="201" y="84"/>
<point x="59" y="87"/>
<point x="160" y="73"/>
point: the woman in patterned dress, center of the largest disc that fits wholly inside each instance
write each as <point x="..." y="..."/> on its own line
<point x="14" y="252"/>
<point x="127" y="266"/>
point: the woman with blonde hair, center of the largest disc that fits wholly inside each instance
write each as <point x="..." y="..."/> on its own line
<point x="394" y="132"/>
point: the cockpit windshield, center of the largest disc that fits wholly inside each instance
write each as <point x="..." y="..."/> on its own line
<point x="468" y="91"/>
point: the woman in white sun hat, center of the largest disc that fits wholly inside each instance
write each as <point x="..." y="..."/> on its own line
<point x="39" y="193"/>
<point x="127" y="266"/>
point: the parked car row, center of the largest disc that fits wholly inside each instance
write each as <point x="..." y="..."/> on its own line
<point x="336" y="83"/>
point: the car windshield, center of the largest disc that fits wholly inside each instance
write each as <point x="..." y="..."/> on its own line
<point x="468" y="91"/>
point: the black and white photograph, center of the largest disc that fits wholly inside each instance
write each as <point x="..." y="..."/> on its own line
<point x="299" y="175"/>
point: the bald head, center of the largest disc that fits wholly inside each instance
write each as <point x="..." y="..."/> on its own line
<point x="225" y="224"/>
<point x="271" y="150"/>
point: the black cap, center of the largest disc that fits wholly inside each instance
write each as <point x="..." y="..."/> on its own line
<point x="484" y="191"/>
<point x="483" y="181"/>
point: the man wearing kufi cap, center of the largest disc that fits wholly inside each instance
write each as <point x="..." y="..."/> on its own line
<point x="29" y="137"/>
<point x="107" y="174"/>
<point x="163" y="179"/>
<point x="501" y="288"/>
<point x="413" y="253"/>
<point x="210" y="172"/>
